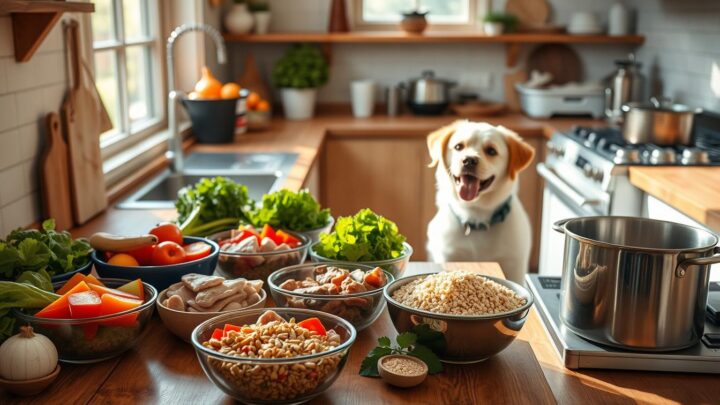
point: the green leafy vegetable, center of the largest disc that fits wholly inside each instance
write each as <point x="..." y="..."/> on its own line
<point x="408" y="343"/>
<point x="289" y="210"/>
<point x="366" y="236"/>
<point x="212" y="205"/>
<point x="302" y="66"/>
<point x="27" y="292"/>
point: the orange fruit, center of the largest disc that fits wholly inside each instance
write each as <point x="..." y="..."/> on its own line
<point x="263" y="106"/>
<point x="208" y="86"/>
<point x="252" y="100"/>
<point x="123" y="259"/>
<point x="230" y="90"/>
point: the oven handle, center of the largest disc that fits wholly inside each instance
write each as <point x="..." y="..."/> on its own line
<point x="556" y="182"/>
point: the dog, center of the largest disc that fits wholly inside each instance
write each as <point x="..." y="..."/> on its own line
<point x="479" y="217"/>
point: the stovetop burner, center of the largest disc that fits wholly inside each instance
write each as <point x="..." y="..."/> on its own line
<point x="609" y="142"/>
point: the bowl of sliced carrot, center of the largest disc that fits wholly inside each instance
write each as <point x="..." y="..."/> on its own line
<point x="93" y="319"/>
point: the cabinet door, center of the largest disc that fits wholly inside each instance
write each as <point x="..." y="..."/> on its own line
<point x="389" y="176"/>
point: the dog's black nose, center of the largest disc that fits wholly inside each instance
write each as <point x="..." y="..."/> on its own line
<point x="470" y="161"/>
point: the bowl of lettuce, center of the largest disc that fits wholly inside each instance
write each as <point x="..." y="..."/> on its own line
<point x="366" y="238"/>
<point x="294" y="211"/>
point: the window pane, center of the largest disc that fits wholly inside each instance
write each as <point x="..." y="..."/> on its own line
<point x="135" y="16"/>
<point x="447" y="11"/>
<point x="103" y="23"/>
<point x="441" y="11"/>
<point x="385" y="10"/>
<point x="107" y="84"/>
<point x="139" y="73"/>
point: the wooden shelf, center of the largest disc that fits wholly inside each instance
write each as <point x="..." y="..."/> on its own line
<point x="32" y="21"/>
<point x="513" y="42"/>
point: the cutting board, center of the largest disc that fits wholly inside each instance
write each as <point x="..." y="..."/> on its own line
<point x="557" y="59"/>
<point x="511" y="95"/>
<point x="530" y="13"/>
<point x="252" y="80"/>
<point x="54" y="176"/>
<point x="82" y="125"/>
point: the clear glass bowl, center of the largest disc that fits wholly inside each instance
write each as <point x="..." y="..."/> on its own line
<point x="258" y="265"/>
<point x="314" y="234"/>
<point x="254" y="380"/>
<point x="91" y="340"/>
<point x="360" y="309"/>
<point x="395" y="266"/>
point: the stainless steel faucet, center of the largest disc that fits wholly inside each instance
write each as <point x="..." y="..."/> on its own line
<point x="175" y="151"/>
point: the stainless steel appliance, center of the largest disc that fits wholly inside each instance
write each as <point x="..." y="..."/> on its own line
<point x="625" y="85"/>
<point x="579" y="353"/>
<point x="428" y="95"/>
<point x="660" y="122"/>
<point x="636" y="283"/>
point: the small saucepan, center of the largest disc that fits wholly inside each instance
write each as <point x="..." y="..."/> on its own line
<point x="661" y="122"/>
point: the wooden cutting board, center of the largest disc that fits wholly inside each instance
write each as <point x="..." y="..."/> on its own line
<point x="557" y="59"/>
<point x="54" y="176"/>
<point x="530" y="13"/>
<point x="511" y="95"/>
<point x="252" y="80"/>
<point x="82" y="125"/>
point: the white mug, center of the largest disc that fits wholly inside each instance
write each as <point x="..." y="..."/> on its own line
<point x="363" y="97"/>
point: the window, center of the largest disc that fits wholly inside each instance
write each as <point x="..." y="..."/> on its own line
<point x="127" y="53"/>
<point x="445" y="13"/>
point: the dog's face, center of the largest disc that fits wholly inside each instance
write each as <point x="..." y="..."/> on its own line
<point x="478" y="157"/>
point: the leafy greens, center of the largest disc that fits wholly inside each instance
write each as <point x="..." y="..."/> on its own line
<point x="416" y="343"/>
<point x="212" y="205"/>
<point x="366" y="236"/>
<point x="32" y="289"/>
<point x="285" y="209"/>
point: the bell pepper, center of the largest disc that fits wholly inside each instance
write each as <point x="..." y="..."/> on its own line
<point x="217" y="334"/>
<point x="375" y="277"/>
<point x="60" y="308"/>
<point x="268" y="232"/>
<point x="313" y="324"/>
<point x="134" y="288"/>
<point x="288" y="239"/>
<point x="102" y="290"/>
<point x="112" y="304"/>
<point x="228" y="327"/>
<point x="84" y="304"/>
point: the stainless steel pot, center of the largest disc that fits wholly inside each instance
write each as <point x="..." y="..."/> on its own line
<point x="635" y="283"/>
<point x="428" y="95"/>
<point x="658" y="122"/>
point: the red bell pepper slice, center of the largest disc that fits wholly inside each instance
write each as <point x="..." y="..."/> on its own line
<point x="313" y="324"/>
<point x="85" y="304"/>
<point x="217" y="334"/>
<point x="269" y="232"/>
<point x="288" y="239"/>
<point x="228" y="327"/>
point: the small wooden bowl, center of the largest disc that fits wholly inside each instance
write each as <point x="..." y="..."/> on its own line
<point x="401" y="380"/>
<point x="30" y="387"/>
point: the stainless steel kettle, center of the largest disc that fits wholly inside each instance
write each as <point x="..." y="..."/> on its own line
<point x="428" y="95"/>
<point x="625" y="85"/>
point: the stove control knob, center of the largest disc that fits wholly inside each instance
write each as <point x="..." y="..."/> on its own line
<point x="598" y="175"/>
<point x="561" y="151"/>
<point x="588" y="170"/>
<point x="551" y="148"/>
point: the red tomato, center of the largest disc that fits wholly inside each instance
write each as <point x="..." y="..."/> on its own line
<point x="167" y="232"/>
<point x="196" y="250"/>
<point x="168" y="253"/>
<point x="313" y="324"/>
<point x="143" y="255"/>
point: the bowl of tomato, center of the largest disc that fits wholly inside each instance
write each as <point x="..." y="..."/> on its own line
<point x="162" y="264"/>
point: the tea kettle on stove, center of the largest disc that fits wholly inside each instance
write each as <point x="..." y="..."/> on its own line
<point x="625" y="85"/>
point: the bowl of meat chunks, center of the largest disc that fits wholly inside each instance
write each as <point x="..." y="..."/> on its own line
<point x="349" y="290"/>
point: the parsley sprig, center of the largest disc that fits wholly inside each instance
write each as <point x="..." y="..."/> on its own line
<point x="421" y="343"/>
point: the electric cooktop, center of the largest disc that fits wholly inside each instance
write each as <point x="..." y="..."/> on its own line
<point x="579" y="353"/>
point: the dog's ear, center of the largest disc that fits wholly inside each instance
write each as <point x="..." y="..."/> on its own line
<point x="520" y="153"/>
<point x="437" y="142"/>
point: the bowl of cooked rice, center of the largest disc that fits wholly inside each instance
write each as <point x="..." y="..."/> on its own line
<point x="477" y="316"/>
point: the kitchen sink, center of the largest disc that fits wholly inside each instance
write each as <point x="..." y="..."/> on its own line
<point x="260" y="172"/>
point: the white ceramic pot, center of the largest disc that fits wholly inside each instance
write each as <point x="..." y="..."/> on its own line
<point x="239" y="20"/>
<point x="262" y="22"/>
<point x="618" y="20"/>
<point x="299" y="104"/>
<point x="493" y="28"/>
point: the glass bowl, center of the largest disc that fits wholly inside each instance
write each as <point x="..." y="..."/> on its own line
<point x="395" y="266"/>
<point x="360" y="309"/>
<point x="258" y="265"/>
<point x="257" y="380"/>
<point x="314" y="234"/>
<point x="91" y="340"/>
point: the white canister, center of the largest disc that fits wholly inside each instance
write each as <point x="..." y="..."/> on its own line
<point x="262" y="22"/>
<point x="493" y="28"/>
<point x="362" y="94"/>
<point x="299" y="104"/>
<point x="239" y="20"/>
<point x="618" y="20"/>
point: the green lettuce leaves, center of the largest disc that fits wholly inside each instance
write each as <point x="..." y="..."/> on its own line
<point x="285" y="209"/>
<point x="212" y="205"/>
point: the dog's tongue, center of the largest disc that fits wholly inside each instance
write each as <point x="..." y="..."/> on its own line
<point x="469" y="187"/>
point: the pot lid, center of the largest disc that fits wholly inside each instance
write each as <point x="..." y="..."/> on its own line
<point x="428" y="76"/>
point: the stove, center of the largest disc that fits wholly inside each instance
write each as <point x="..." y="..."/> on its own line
<point x="579" y="353"/>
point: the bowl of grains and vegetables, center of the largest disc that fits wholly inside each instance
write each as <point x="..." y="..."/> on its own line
<point x="476" y="316"/>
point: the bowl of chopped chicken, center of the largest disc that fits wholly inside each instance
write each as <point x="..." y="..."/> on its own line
<point x="198" y="297"/>
<point x="348" y="290"/>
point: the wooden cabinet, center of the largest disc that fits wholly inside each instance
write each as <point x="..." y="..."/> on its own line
<point x="390" y="176"/>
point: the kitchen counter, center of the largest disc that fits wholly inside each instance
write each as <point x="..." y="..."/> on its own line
<point x="691" y="190"/>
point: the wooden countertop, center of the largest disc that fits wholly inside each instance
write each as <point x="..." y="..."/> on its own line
<point x="694" y="191"/>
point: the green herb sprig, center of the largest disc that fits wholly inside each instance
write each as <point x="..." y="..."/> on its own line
<point x="422" y="343"/>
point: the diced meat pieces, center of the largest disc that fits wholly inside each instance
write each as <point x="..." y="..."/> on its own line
<point x="175" y="302"/>
<point x="199" y="282"/>
<point x="357" y="275"/>
<point x="269" y="316"/>
<point x="200" y="293"/>
<point x="267" y="245"/>
<point x="228" y="288"/>
<point x="350" y="286"/>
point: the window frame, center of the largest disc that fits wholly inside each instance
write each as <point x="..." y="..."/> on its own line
<point x="133" y="133"/>
<point x="359" y="24"/>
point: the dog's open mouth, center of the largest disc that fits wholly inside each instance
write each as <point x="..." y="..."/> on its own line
<point x="471" y="186"/>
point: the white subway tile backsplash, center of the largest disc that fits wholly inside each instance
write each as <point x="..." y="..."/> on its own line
<point x="21" y="213"/>
<point x="8" y="112"/>
<point x="6" y="37"/>
<point x="10" y="148"/>
<point x="30" y="137"/>
<point x="30" y="105"/>
<point x="14" y="184"/>
<point x="3" y="74"/>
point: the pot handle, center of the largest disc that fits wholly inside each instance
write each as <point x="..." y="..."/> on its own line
<point x="559" y="226"/>
<point x="698" y="261"/>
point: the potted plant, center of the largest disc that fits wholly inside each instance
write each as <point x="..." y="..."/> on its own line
<point x="238" y="20"/>
<point x="260" y="10"/>
<point x="298" y="74"/>
<point x="496" y="23"/>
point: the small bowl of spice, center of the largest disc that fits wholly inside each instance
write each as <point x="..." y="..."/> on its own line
<point x="402" y="371"/>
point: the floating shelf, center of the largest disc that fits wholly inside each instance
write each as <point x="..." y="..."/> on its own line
<point x="512" y="41"/>
<point x="32" y="21"/>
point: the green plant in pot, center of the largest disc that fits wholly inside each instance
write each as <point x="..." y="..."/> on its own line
<point x="496" y="23"/>
<point x="260" y="10"/>
<point x="298" y="74"/>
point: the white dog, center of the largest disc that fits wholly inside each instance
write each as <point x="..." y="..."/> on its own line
<point x="480" y="217"/>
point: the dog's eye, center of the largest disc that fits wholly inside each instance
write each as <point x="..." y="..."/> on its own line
<point x="459" y="146"/>
<point x="491" y="151"/>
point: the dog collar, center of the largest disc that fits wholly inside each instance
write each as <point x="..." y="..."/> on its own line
<point x="497" y="217"/>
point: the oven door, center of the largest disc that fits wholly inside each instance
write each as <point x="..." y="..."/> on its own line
<point x="560" y="201"/>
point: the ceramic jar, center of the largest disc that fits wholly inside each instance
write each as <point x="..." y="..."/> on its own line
<point x="239" y="20"/>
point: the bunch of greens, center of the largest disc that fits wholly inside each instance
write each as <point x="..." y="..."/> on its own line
<point x="286" y="209"/>
<point x="212" y="205"/>
<point x="509" y="21"/>
<point x="302" y="67"/>
<point x="422" y="343"/>
<point x="46" y="249"/>
<point x="32" y="289"/>
<point x="366" y="236"/>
